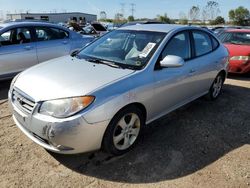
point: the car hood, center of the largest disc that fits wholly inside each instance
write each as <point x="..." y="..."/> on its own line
<point x="66" y="77"/>
<point x="238" y="50"/>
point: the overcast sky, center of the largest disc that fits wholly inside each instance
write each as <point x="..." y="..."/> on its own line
<point x="143" y="8"/>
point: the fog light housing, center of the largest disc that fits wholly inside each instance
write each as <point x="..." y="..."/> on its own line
<point x="51" y="135"/>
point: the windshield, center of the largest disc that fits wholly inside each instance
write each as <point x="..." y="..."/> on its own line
<point x="124" y="47"/>
<point x="239" y="38"/>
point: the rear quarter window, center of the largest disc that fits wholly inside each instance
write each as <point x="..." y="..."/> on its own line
<point x="215" y="43"/>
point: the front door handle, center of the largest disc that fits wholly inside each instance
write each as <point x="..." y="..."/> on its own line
<point x="65" y="42"/>
<point x="28" y="47"/>
<point x="192" y="72"/>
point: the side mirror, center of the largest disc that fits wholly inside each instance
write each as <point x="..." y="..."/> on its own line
<point x="171" y="61"/>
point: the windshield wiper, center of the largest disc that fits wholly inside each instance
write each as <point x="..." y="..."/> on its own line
<point x="104" y="62"/>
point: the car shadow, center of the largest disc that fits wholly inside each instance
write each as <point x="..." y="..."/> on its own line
<point x="176" y="145"/>
<point x="4" y="88"/>
<point x="243" y="77"/>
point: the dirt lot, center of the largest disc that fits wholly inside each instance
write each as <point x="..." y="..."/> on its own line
<point x="204" y="144"/>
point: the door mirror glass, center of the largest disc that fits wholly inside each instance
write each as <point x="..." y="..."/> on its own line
<point x="171" y="61"/>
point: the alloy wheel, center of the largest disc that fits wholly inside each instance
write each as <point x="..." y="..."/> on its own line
<point x="126" y="131"/>
<point x="217" y="86"/>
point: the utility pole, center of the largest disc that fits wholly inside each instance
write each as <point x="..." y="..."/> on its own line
<point x="132" y="9"/>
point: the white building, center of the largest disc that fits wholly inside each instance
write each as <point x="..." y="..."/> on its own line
<point x="54" y="17"/>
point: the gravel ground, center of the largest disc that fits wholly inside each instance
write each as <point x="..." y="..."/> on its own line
<point x="203" y="144"/>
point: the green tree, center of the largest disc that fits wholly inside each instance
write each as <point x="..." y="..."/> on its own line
<point x="218" y="20"/>
<point x="183" y="18"/>
<point x="131" y="18"/>
<point x="183" y="21"/>
<point x="240" y="16"/>
<point x="164" y="18"/>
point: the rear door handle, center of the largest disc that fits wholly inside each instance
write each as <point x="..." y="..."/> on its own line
<point x="65" y="42"/>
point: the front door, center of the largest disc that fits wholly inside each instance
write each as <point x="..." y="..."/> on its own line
<point x="174" y="86"/>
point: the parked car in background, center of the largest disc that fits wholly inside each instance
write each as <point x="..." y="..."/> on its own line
<point x="237" y="42"/>
<point x="24" y="44"/>
<point x="95" y="29"/>
<point x="110" y="26"/>
<point x="114" y="86"/>
<point x="141" y="22"/>
<point x="220" y="30"/>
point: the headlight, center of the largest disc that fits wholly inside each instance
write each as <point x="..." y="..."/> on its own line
<point x="62" y="108"/>
<point x="244" y="58"/>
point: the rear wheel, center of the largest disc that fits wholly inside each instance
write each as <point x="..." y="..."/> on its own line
<point x="123" y="131"/>
<point x="216" y="87"/>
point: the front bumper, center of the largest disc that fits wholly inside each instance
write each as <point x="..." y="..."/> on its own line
<point x="66" y="136"/>
<point x="239" y="66"/>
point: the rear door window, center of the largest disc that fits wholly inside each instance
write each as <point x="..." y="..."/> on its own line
<point x="50" y="33"/>
<point x="202" y="43"/>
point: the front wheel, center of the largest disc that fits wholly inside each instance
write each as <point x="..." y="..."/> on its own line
<point x="123" y="131"/>
<point x="216" y="87"/>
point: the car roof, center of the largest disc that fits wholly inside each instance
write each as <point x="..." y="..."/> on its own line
<point x="27" y="23"/>
<point x="238" y="30"/>
<point x="141" y="22"/>
<point x="156" y="27"/>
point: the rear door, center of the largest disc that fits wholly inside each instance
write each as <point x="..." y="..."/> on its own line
<point x="206" y="59"/>
<point x="51" y="43"/>
<point x="17" y="51"/>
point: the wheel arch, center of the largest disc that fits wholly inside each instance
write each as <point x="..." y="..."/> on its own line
<point x="138" y="105"/>
<point x="224" y="74"/>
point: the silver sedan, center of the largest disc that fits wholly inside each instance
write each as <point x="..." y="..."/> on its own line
<point x="106" y="94"/>
<point x="24" y="44"/>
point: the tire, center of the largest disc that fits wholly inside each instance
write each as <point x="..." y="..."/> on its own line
<point x="216" y="87"/>
<point x="124" y="131"/>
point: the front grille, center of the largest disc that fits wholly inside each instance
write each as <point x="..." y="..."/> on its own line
<point x="23" y="103"/>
